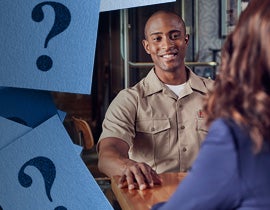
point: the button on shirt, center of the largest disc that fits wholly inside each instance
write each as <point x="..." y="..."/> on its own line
<point x="162" y="129"/>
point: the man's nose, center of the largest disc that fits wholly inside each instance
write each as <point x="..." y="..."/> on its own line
<point x="167" y="43"/>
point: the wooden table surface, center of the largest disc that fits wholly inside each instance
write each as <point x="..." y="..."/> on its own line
<point x="143" y="200"/>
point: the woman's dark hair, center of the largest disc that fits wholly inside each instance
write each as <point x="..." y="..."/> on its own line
<point x="242" y="86"/>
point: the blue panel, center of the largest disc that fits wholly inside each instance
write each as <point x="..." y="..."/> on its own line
<point x="48" y="45"/>
<point x="25" y="106"/>
<point x="41" y="170"/>
<point x="106" y="5"/>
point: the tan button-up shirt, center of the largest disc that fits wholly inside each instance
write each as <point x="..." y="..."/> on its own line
<point x="162" y="129"/>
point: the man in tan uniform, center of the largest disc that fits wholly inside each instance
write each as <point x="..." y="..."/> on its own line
<point x="157" y="125"/>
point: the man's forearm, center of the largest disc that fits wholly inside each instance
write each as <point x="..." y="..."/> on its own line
<point x="113" y="156"/>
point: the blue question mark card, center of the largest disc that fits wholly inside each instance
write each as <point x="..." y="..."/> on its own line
<point x="106" y="5"/>
<point x="10" y="131"/>
<point x="48" y="45"/>
<point x="26" y="106"/>
<point x="49" y="174"/>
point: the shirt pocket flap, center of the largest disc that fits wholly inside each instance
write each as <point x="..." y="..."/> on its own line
<point x="201" y="125"/>
<point x="152" y="126"/>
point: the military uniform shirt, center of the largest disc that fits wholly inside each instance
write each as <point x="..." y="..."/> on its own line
<point x="162" y="129"/>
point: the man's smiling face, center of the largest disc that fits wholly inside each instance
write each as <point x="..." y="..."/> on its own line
<point x="166" y="41"/>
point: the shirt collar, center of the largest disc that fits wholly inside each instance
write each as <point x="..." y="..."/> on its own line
<point x="154" y="85"/>
<point x="196" y="82"/>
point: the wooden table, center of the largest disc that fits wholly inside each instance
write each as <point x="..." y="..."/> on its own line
<point x="143" y="200"/>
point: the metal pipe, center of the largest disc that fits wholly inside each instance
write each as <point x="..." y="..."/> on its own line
<point x="183" y="14"/>
<point x="126" y="48"/>
<point x="196" y="28"/>
<point x="149" y="64"/>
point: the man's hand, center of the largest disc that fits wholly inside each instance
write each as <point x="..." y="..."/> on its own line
<point x="138" y="175"/>
<point x="114" y="161"/>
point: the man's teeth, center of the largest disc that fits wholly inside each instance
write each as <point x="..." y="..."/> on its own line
<point x="168" y="56"/>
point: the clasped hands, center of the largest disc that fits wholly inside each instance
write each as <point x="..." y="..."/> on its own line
<point x="138" y="176"/>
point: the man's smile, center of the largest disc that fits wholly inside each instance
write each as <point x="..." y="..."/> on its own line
<point x="169" y="56"/>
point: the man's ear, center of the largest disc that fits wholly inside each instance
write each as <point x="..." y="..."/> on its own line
<point x="146" y="46"/>
<point x="187" y="39"/>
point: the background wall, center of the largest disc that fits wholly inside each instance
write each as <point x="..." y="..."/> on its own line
<point x="209" y="29"/>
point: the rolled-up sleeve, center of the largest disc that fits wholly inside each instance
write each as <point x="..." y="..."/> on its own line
<point x="120" y="117"/>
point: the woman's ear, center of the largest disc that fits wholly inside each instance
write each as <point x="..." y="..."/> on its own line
<point x="146" y="46"/>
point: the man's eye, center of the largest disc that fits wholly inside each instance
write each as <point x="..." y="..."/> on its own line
<point x="175" y="36"/>
<point x="158" y="38"/>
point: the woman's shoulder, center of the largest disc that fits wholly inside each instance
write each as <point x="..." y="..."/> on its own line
<point x="227" y="130"/>
<point x="222" y="130"/>
<point x="219" y="124"/>
<point x="224" y="123"/>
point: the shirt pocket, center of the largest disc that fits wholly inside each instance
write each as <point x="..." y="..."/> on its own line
<point x="201" y="128"/>
<point x="151" y="138"/>
<point x="152" y="126"/>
